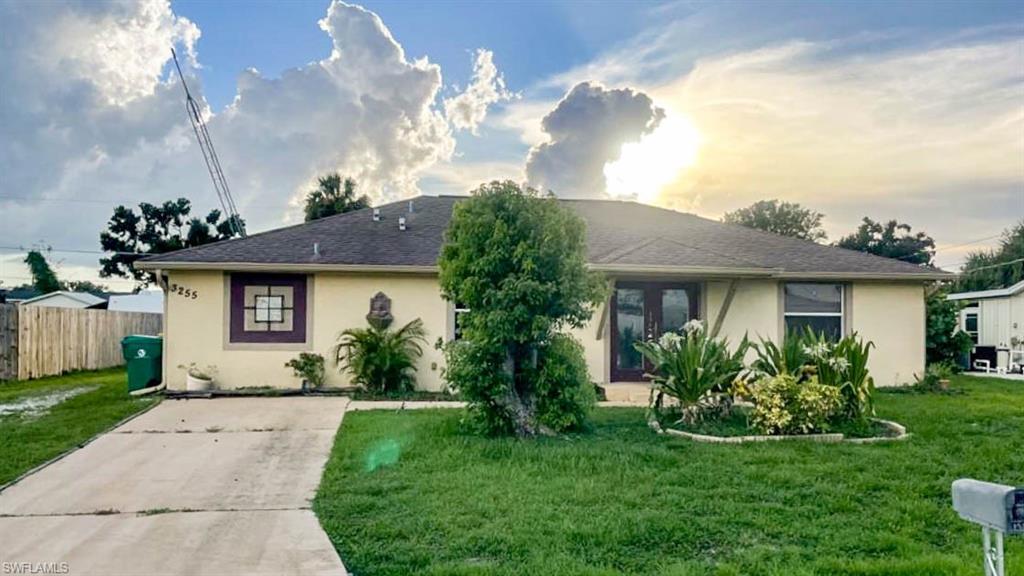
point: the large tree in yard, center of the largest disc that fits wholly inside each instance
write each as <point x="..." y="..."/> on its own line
<point x="333" y="196"/>
<point x="892" y="240"/>
<point x="156" y="229"/>
<point x="517" y="261"/>
<point x="785" y="218"/>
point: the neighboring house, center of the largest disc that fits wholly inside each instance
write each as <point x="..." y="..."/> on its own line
<point x="151" y="301"/>
<point x="246" y="306"/>
<point x="17" y="294"/>
<point x="64" y="299"/>
<point x="994" y="319"/>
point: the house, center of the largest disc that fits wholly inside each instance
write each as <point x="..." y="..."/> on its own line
<point x="150" y="301"/>
<point x="18" y="294"/>
<point x="994" y="319"/>
<point x="246" y="306"/>
<point x="64" y="299"/>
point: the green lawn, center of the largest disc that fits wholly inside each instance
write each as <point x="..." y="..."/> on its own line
<point x="410" y="493"/>
<point x="29" y="439"/>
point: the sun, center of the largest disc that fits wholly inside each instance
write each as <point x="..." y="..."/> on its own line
<point x="644" y="168"/>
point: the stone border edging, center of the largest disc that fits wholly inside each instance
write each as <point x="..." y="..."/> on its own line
<point x="898" y="429"/>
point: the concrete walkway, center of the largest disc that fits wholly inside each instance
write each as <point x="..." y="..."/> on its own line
<point x="191" y="487"/>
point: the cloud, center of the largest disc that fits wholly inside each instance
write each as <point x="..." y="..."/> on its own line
<point x="98" y="117"/>
<point x="586" y="130"/>
<point x="467" y="110"/>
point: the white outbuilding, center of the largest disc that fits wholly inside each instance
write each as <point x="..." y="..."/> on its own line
<point x="994" y="319"/>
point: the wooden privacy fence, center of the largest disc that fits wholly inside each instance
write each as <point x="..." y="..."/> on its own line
<point x="39" y="341"/>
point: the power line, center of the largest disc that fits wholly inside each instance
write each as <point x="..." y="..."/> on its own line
<point x="1007" y="263"/>
<point x="69" y="250"/>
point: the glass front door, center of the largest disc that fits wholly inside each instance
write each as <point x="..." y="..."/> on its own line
<point x="645" y="311"/>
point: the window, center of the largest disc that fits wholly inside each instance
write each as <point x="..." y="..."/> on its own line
<point x="268" y="308"/>
<point x="458" y="311"/>
<point x="971" y="324"/>
<point x="815" y="306"/>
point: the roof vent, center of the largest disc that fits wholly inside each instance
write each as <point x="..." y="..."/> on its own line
<point x="376" y="214"/>
<point x="316" y="248"/>
<point x="410" y="207"/>
<point x="401" y="222"/>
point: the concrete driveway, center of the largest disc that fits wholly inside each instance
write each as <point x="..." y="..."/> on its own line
<point x="217" y="486"/>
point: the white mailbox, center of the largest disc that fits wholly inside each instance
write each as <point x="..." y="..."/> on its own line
<point x="997" y="508"/>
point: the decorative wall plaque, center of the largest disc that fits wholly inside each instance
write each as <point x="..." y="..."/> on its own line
<point x="380" y="311"/>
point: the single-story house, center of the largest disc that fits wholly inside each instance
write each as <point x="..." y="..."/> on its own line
<point x="64" y="299"/>
<point x="246" y="306"/>
<point x="150" y="302"/>
<point x="994" y="319"/>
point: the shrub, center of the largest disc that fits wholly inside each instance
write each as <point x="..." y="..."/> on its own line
<point x="517" y="261"/>
<point x="565" y="394"/>
<point x="309" y="367"/>
<point x="689" y="368"/>
<point x="784" y="405"/>
<point x="562" y="391"/>
<point x="382" y="359"/>
<point x="944" y="341"/>
<point x="844" y="365"/>
<point x="789" y="358"/>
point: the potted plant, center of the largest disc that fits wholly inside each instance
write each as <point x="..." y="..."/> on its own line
<point x="309" y="367"/>
<point x="198" y="379"/>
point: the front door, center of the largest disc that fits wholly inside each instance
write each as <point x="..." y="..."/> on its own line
<point x="644" y="311"/>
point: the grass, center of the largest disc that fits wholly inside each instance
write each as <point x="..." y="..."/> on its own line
<point x="410" y="493"/>
<point x="30" y="440"/>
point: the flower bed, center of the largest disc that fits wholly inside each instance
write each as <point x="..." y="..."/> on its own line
<point x="734" y="429"/>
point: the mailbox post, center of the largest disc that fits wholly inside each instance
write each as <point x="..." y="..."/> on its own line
<point x="998" y="509"/>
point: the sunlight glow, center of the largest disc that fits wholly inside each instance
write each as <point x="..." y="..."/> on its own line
<point x="647" y="166"/>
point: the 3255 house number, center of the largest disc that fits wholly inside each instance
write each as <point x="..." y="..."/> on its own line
<point x="180" y="290"/>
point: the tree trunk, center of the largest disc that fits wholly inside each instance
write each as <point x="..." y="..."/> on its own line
<point x="520" y="404"/>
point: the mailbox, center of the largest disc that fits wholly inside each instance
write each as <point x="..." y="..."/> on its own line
<point x="993" y="506"/>
<point x="998" y="509"/>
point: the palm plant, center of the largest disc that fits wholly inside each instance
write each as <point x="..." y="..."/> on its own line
<point x="691" y="368"/>
<point x="844" y="365"/>
<point x="788" y="359"/>
<point x="382" y="359"/>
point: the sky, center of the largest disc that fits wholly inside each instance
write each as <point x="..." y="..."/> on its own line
<point x="911" y="110"/>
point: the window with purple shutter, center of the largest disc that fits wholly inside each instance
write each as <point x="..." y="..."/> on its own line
<point x="268" y="308"/>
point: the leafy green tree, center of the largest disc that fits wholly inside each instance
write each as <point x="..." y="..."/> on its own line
<point x="518" y="263"/>
<point x="156" y="229"/>
<point x="943" y="341"/>
<point x="86" y="286"/>
<point x="333" y="196"/>
<point x="997" y="268"/>
<point x="382" y="359"/>
<point x="785" y="218"/>
<point x="44" y="279"/>
<point x="891" y="240"/>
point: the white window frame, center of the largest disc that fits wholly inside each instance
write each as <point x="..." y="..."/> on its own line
<point x="976" y="333"/>
<point x="453" y="319"/>
<point x="841" y="314"/>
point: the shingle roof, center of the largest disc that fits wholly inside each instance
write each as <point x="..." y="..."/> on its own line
<point x="620" y="235"/>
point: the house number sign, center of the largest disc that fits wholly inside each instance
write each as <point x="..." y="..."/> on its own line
<point x="180" y="290"/>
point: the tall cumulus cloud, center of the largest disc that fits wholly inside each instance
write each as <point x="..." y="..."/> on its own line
<point x="585" y="131"/>
<point x="93" y="116"/>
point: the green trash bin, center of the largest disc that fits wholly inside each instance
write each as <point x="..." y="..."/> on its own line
<point x="144" y="356"/>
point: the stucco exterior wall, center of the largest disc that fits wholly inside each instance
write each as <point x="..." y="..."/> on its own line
<point x="194" y="328"/>
<point x="893" y="317"/>
<point x="890" y="314"/>
<point x="754" y="310"/>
